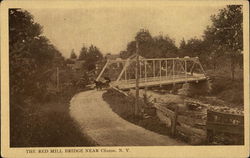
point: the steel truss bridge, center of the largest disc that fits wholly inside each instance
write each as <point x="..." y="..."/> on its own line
<point x="152" y="72"/>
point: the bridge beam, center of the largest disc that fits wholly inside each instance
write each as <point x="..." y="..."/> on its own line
<point x="102" y="70"/>
<point x="123" y="70"/>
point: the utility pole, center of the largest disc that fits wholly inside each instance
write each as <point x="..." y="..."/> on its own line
<point x="57" y="78"/>
<point x="137" y="80"/>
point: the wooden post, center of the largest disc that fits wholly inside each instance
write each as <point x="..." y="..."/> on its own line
<point x="125" y="74"/>
<point x="154" y="68"/>
<point x="137" y="80"/>
<point x="145" y="74"/>
<point x="160" y="69"/>
<point x="166" y="61"/>
<point x="186" y="69"/>
<point x="145" y="96"/>
<point x="174" y="121"/>
<point x="173" y="69"/>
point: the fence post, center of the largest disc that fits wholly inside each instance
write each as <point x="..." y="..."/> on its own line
<point x="160" y="72"/>
<point x="154" y="68"/>
<point x="186" y="69"/>
<point x="160" y="69"/>
<point x="173" y="69"/>
<point x="174" y="121"/>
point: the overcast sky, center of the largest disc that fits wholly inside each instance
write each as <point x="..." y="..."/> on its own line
<point x="110" y="29"/>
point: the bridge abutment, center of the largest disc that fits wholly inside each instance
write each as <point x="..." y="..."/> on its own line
<point x="195" y="88"/>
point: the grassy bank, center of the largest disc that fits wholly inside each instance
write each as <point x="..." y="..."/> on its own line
<point x="47" y="124"/>
<point x="124" y="107"/>
<point x="227" y="89"/>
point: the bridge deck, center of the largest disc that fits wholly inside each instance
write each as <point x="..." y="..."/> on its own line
<point x="153" y="81"/>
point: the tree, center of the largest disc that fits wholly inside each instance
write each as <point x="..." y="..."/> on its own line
<point x="182" y="43"/>
<point x="130" y="50"/>
<point x="73" y="54"/>
<point x="30" y="54"/>
<point x="182" y="51"/>
<point x="93" y="55"/>
<point x="151" y="47"/>
<point x="83" y="53"/>
<point x="195" y="47"/>
<point x="164" y="47"/>
<point x="32" y="59"/>
<point x="226" y="33"/>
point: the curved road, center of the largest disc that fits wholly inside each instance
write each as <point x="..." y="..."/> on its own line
<point x="106" y="128"/>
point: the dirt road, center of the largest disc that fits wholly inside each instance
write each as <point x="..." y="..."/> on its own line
<point x="106" y="128"/>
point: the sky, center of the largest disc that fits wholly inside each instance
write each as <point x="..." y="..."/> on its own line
<point x="111" y="28"/>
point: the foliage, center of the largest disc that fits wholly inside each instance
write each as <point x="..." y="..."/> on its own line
<point x="48" y="124"/>
<point x="83" y="53"/>
<point x="164" y="47"/>
<point x="151" y="47"/>
<point x="222" y="42"/>
<point x="91" y="56"/>
<point x="195" y="47"/>
<point x="94" y="55"/>
<point x="226" y="30"/>
<point x="32" y="61"/>
<point x="73" y="54"/>
<point x="31" y="56"/>
<point x="69" y="61"/>
<point x="225" y="35"/>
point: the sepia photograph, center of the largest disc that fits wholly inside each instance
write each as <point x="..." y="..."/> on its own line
<point x="109" y="77"/>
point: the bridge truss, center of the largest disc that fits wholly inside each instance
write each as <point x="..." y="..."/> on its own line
<point x="155" y="71"/>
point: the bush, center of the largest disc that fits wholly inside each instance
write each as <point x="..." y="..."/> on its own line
<point x="229" y="90"/>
